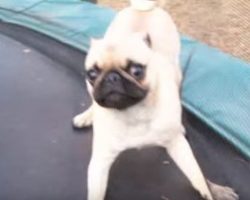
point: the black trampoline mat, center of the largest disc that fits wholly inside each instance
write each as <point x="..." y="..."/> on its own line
<point x="43" y="158"/>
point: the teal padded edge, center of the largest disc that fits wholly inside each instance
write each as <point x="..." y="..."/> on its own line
<point x="216" y="86"/>
<point x="72" y="22"/>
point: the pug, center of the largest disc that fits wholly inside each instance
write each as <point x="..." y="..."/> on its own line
<point x="146" y="17"/>
<point x="134" y="81"/>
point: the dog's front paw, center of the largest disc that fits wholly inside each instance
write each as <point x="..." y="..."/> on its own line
<point x="222" y="192"/>
<point x="82" y="120"/>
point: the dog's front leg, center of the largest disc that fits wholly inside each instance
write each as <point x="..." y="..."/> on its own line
<point x="98" y="173"/>
<point x="84" y="119"/>
<point x="180" y="151"/>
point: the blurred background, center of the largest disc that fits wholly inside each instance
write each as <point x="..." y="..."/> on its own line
<point x="224" y="24"/>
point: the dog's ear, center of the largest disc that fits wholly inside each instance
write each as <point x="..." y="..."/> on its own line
<point x="147" y="40"/>
<point x="142" y="36"/>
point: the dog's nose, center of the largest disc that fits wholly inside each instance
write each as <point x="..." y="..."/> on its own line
<point x="113" y="77"/>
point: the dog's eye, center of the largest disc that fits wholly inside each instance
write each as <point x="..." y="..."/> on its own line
<point x="136" y="70"/>
<point x="92" y="74"/>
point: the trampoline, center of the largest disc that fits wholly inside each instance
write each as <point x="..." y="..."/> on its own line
<point x="43" y="157"/>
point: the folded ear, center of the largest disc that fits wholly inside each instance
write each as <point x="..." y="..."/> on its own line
<point x="148" y="41"/>
<point x="145" y="37"/>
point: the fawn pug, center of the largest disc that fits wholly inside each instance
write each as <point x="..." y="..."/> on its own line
<point x="134" y="81"/>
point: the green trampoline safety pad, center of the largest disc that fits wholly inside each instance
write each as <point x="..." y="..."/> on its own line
<point x="216" y="86"/>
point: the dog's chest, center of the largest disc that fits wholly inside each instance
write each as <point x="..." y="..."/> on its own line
<point x="137" y="130"/>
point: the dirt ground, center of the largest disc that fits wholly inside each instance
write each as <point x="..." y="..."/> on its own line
<point x="221" y="23"/>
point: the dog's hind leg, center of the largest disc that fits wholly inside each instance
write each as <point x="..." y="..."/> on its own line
<point x="181" y="153"/>
<point x="98" y="173"/>
<point x="222" y="192"/>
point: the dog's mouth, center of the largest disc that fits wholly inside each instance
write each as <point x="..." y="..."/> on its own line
<point x="117" y="100"/>
<point x="115" y="95"/>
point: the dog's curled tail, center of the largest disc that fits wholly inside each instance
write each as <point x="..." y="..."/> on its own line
<point x="145" y="5"/>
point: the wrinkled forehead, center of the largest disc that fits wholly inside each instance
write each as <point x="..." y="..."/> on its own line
<point x="109" y="55"/>
<point x="105" y="57"/>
